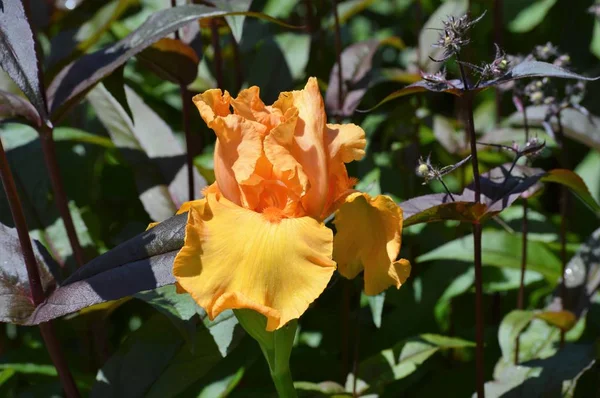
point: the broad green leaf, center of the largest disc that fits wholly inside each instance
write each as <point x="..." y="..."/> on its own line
<point x="404" y="358"/>
<point x="531" y="16"/>
<point x="150" y="146"/>
<point x="575" y="184"/>
<point x="296" y="54"/>
<point x="76" y="135"/>
<point x="376" y="304"/>
<point x="236" y="22"/>
<point x="498" y="250"/>
<point x="511" y="327"/>
<point x="595" y="44"/>
<point x="456" y="287"/>
<point x="589" y="171"/>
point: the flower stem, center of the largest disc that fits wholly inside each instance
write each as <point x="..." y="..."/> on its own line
<point x="33" y="275"/>
<point x="60" y="197"/>
<point x="284" y="383"/>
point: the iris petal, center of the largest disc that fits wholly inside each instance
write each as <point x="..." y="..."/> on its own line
<point x="237" y="258"/>
<point x="368" y="237"/>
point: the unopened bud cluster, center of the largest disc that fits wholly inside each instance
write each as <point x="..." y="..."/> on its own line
<point x="453" y="36"/>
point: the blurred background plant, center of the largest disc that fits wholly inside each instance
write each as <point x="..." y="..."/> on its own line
<point x="114" y="108"/>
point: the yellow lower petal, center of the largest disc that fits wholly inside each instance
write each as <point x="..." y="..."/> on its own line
<point x="236" y="258"/>
<point x="368" y="237"/>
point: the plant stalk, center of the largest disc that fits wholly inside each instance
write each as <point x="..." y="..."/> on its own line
<point x="564" y="207"/>
<point x="338" y="53"/>
<point x="525" y="227"/>
<point x="60" y="197"/>
<point x="35" y="284"/>
<point x="216" y="43"/>
<point x="185" y="108"/>
<point x="477" y="231"/>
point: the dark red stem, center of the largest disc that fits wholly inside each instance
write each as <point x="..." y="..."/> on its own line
<point x="564" y="206"/>
<point x="216" y="43"/>
<point x="35" y="284"/>
<point x="60" y="197"/>
<point x="525" y="227"/>
<point x="338" y="53"/>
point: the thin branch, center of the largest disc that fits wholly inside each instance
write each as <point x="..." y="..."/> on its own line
<point x="35" y="284"/>
<point x="338" y="53"/>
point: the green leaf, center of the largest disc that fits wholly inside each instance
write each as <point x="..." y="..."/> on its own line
<point x="404" y="358"/>
<point x="498" y="250"/>
<point x="510" y="328"/>
<point x="236" y="22"/>
<point x="150" y="146"/>
<point x="155" y="361"/>
<point x="376" y="304"/>
<point x="457" y="286"/>
<point x="575" y="184"/>
<point x="589" y="171"/>
<point x="30" y="368"/>
<point x="531" y="16"/>
<point x="76" y="135"/>
<point x="595" y="44"/>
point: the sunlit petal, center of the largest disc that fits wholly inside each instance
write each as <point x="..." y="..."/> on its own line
<point x="237" y="258"/>
<point x="368" y="237"/>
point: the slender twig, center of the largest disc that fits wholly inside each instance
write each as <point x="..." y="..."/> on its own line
<point x="60" y="197"/>
<point x="218" y="58"/>
<point x="310" y="28"/>
<point x="338" y="53"/>
<point x="185" y="105"/>
<point x="564" y="206"/>
<point x="479" y="316"/>
<point x="35" y="284"/>
<point x="498" y="39"/>
<point x="525" y="227"/>
<point x="239" y="72"/>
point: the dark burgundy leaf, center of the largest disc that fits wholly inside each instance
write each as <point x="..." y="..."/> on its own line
<point x="537" y="69"/>
<point x="18" y="55"/>
<point x="171" y="60"/>
<point x="16" y="302"/>
<point x="76" y="79"/>
<point x="499" y="190"/>
<point x="577" y="126"/>
<point x="357" y="62"/>
<point x="142" y="263"/>
<point x="13" y="106"/>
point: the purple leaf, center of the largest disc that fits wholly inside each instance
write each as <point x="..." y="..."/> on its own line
<point x="357" y="62"/>
<point x="13" y="106"/>
<point x="17" y="53"/>
<point x="16" y="302"/>
<point x="142" y="263"/>
<point x="77" y="78"/>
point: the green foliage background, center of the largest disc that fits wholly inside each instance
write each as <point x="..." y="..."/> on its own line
<point x="416" y="341"/>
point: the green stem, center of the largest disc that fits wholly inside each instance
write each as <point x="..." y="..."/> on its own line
<point x="284" y="384"/>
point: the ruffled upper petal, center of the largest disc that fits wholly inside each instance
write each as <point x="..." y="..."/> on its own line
<point x="309" y="149"/>
<point x="249" y="105"/>
<point x="237" y="258"/>
<point x="368" y="237"/>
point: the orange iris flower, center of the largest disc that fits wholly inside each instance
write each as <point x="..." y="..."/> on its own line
<point x="257" y="239"/>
